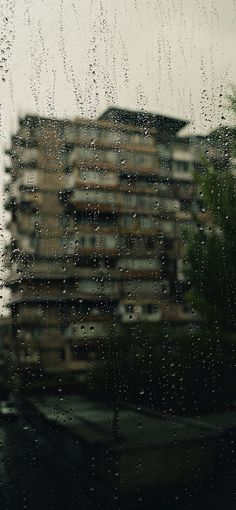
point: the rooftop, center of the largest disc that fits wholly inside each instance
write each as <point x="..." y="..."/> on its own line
<point x="145" y="119"/>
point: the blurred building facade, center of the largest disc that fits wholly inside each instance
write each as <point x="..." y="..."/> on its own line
<point x="97" y="210"/>
<point x="5" y="359"/>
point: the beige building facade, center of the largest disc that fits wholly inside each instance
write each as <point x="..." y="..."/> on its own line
<point x="97" y="213"/>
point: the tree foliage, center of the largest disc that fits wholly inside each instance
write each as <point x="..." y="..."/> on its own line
<point x="211" y="250"/>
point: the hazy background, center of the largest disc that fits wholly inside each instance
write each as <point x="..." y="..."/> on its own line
<point x="67" y="58"/>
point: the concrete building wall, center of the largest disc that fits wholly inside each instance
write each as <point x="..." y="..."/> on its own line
<point x="97" y="211"/>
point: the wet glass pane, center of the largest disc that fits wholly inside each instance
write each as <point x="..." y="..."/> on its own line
<point x="118" y="255"/>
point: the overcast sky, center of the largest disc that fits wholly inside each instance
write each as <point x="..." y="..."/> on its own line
<point x="77" y="57"/>
<point x="68" y="58"/>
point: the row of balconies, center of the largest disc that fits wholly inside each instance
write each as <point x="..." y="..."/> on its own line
<point x="137" y="156"/>
<point x="117" y="201"/>
<point x="143" y="198"/>
<point x="155" y="312"/>
<point x="106" y="283"/>
<point x="89" y="289"/>
<point x="125" y="269"/>
<point x="87" y="330"/>
<point x="95" y="200"/>
<point x="110" y="136"/>
<point x="34" y="200"/>
<point x="51" y="334"/>
<point x="168" y="193"/>
<point x="54" y="314"/>
<point x="33" y="226"/>
<point x="26" y="224"/>
<point x="95" y="177"/>
<point x="87" y="132"/>
<point x="91" y="134"/>
<point x="131" y="248"/>
<point x="123" y="186"/>
<point x="45" y="249"/>
<point x="60" y="296"/>
<point x="92" y="175"/>
<point x="169" y="173"/>
<point x="115" y="157"/>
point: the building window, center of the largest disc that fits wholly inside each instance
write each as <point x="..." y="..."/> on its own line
<point x="150" y="308"/>
<point x="129" y="242"/>
<point x="80" y="353"/>
<point x="146" y="222"/>
<point x="126" y="221"/>
<point x="92" y="241"/>
<point x="62" y="355"/>
<point x="149" y="243"/>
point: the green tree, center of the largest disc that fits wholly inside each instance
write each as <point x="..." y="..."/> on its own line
<point x="211" y="248"/>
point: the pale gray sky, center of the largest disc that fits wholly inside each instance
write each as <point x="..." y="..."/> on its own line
<point x="68" y="57"/>
<point x="76" y="57"/>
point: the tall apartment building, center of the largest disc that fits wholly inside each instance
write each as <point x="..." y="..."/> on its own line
<point x="97" y="209"/>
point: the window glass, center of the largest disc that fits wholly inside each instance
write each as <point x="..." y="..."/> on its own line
<point x="117" y="255"/>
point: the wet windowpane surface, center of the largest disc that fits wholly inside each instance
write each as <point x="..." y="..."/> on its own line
<point x="37" y="473"/>
<point x="118" y="246"/>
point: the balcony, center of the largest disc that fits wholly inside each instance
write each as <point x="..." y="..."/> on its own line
<point x="21" y="141"/>
<point x="10" y="203"/>
<point x="117" y="155"/>
<point x="123" y="168"/>
<point x="179" y="154"/>
<point x="87" y="199"/>
<point x="7" y="187"/>
<point x="28" y="179"/>
<point x="92" y="243"/>
<point x="93" y="178"/>
<point x="103" y="290"/>
<point x="25" y="245"/>
<point x="130" y="202"/>
<point x="182" y="176"/>
<point x="35" y="297"/>
<point x="177" y="312"/>
<point x="184" y="193"/>
<point x="29" y="197"/>
<point x="86" y="331"/>
<point x="56" y="296"/>
<point x="139" y="312"/>
<point x="184" y="216"/>
<point x="107" y="138"/>
<point x="28" y="358"/>
<point x="139" y="288"/>
<point x="22" y="200"/>
<point x="170" y="205"/>
<point x="55" y="270"/>
<point x="94" y="199"/>
<point x="138" y="268"/>
<point x="31" y="316"/>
